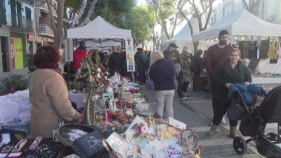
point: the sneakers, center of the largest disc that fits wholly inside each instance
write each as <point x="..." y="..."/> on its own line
<point x="223" y="120"/>
<point x="184" y="99"/>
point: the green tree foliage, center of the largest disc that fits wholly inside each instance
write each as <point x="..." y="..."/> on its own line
<point x="140" y="20"/>
<point x="113" y="10"/>
<point x="163" y="10"/>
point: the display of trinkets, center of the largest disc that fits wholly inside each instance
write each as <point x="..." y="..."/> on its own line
<point x="145" y="138"/>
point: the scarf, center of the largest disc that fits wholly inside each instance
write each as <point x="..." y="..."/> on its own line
<point x="45" y="65"/>
<point x="232" y="72"/>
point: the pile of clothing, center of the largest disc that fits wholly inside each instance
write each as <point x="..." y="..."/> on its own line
<point x="248" y="93"/>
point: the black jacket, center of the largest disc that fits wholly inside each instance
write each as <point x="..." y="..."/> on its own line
<point x="197" y="64"/>
<point x="115" y="61"/>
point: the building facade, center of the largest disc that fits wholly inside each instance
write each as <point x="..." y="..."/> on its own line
<point x="45" y="35"/>
<point x="269" y="10"/>
<point x="17" y="34"/>
<point x="24" y="26"/>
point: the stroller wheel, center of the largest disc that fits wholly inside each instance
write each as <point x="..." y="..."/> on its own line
<point x="273" y="137"/>
<point x="240" y="145"/>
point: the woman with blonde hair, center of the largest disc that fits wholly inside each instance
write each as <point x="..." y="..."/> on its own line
<point x="162" y="73"/>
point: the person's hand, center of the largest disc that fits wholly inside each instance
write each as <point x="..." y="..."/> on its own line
<point x="90" y="78"/>
<point x="247" y="84"/>
<point x="228" y="85"/>
<point x="189" y="60"/>
<point x="80" y="119"/>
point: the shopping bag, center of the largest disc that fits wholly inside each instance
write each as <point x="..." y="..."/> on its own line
<point x="149" y="83"/>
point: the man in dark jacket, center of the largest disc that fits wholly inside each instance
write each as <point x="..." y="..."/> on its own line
<point x="142" y="65"/>
<point x="197" y="68"/>
<point x="115" y="61"/>
<point x="166" y="53"/>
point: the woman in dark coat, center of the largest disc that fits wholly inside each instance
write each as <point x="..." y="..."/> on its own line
<point x="232" y="71"/>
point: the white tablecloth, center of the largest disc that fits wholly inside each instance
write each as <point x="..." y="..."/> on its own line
<point x="260" y="80"/>
<point x="78" y="99"/>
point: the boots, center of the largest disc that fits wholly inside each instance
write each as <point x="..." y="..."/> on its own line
<point x="212" y="130"/>
<point x="233" y="133"/>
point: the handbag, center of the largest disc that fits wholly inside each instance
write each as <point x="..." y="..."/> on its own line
<point x="149" y="83"/>
<point x="235" y="111"/>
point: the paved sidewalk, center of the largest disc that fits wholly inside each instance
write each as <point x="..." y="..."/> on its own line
<point x="197" y="114"/>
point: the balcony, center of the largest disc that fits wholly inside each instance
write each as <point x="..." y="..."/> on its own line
<point x="27" y="23"/>
<point x="19" y="22"/>
<point x="44" y="7"/>
<point x="45" y="30"/>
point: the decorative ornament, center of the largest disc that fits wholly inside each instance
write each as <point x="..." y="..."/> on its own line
<point x="80" y="13"/>
<point x="89" y="13"/>
<point x="109" y="90"/>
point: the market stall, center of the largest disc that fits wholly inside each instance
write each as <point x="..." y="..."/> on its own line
<point x="117" y="121"/>
<point x="253" y="42"/>
<point x="235" y="24"/>
<point x="99" y="33"/>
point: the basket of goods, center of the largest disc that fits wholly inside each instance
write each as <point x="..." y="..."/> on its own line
<point x="67" y="133"/>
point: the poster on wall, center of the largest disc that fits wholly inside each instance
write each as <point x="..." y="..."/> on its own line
<point x="18" y="52"/>
<point x="13" y="53"/>
<point x="130" y="55"/>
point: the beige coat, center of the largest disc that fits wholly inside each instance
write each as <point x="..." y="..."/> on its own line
<point x="50" y="103"/>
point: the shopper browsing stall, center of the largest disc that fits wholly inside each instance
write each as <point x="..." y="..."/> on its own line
<point x="48" y="94"/>
<point x="186" y="71"/>
<point x="162" y="73"/>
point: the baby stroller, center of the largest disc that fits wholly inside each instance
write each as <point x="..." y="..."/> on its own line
<point x="254" y="123"/>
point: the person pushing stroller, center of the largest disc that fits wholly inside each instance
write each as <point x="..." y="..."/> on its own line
<point x="232" y="71"/>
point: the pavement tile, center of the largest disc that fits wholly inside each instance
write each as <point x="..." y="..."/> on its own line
<point x="217" y="155"/>
<point x="197" y="114"/>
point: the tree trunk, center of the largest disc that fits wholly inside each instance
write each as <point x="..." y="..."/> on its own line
<point x="57" y="40"/>
<point x="195" y="45"/>
<point x="57" y="27"/>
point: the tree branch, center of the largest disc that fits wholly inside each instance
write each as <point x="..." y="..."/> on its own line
<point x="175" y="24"/>
<point x="52" y="19"/>
<point x="209" y="14"/>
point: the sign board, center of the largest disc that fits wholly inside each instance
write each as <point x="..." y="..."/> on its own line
<point x="30" y="37"/>
<point x="130" y="55"/>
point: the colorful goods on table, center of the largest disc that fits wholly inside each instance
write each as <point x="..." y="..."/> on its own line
<point x="152" y="137"/>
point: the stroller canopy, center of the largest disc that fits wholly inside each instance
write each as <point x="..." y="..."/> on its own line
<point x="270" y="108"/>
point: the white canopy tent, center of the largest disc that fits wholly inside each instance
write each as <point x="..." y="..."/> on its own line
<point x="98" y="28"/>
<point x="181" y="39"/>
<point x="240" y="22"/>
<point x="99" y="43"/>
<point x="184" y="38"/>
<point x="97" y="34"/>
